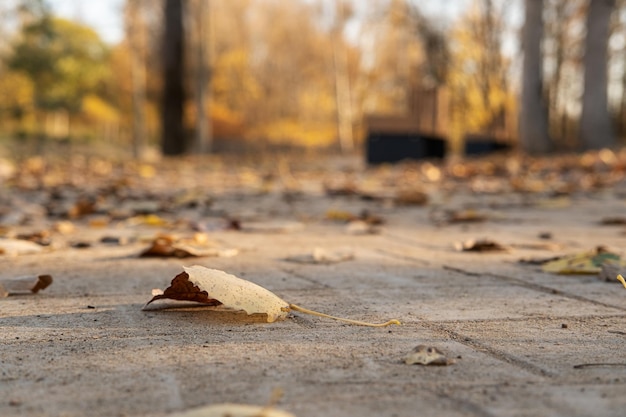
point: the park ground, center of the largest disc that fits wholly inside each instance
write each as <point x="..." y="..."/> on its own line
<point x="452" y="250"/>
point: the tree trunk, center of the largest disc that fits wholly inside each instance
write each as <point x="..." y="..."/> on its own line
<point x="343" y="95"/>
<point x="204" y="139"/>
<point x="533" y="121"/>
<point x="173" y="140"/>
<point x="596" y="130"/>
<point x="135" y="31"/>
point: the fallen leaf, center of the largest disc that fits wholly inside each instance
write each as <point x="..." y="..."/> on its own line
<point x="613" y="221"/>
<point x="589" y="262"/>
<point x="212" y="286"/>
<point x="166" y="246"/>
<point x="427" y="355"/>
<point x="445" y="217"/>
<point x="537" y="246"/>
<point x="360" y="227"/>
<point x="554" y="203"/>
<point x="15" y="247"/>
<point x="538" y="261"/>
<point x="481" y="245"/>
<point x="147" y="220"/>
<point x="339" y="215"/>
<point x="411" y="197"/>
<point x="64" y="227"/>
<point x="322" y="256"/>
<point x="271" y="227"/>
<point x="20" y="285"/>
<point x="233" y="410"/>
<point x="198" y="282"/>
<point x="348" y="188"/>
<point x="621" y="279"/>
<point x="41" y="237"/>
<point x="466" y="216"/>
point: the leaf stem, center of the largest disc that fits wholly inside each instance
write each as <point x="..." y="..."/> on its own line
<point x="358" y="323"/>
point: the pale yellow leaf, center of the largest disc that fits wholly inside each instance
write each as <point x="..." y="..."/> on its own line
<point x="237" y="293"/>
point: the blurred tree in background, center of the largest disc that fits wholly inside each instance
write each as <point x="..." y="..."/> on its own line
<point x="269" y="73"/>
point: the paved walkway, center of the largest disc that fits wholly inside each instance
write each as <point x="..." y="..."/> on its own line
<point x="524" y="342"/>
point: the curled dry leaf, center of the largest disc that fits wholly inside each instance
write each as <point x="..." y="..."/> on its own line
<point x="427" y="355"/>
<point x="233" y="410"/>
<point x="215" y="287"/>
<point x="25" y="284"/>
<point x="200" y="283"/>
<point x="480" y="245"/>
<point x="589" y="262"/>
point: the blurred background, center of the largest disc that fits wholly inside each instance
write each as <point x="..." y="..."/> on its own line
<point x="197" y="76"/>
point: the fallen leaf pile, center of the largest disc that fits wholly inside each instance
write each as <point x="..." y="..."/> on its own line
<point x="218" y="288"/>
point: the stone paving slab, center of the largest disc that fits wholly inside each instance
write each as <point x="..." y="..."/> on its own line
<point x="516" y="333"/>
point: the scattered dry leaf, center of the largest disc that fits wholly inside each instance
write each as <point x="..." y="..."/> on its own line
<point x="16" y="247"/>
<point x="613" y="221"/>
<point x="480" y="245"/>
<point x="27" y="284"/>
<point x="589" y="262"/>
<point x="621" y="279"/>
<point x="537" y="246"/>
<point x="233" y="410"/>
<point x="212" y="287"/>
<point x="538" y="260"/>
<point x="427" y="355"/>
<point x="466" y="216"/>
<point x="322" y="256"/>
<point x="360" y="227"/>
<point x="64" y="227"/>
<point x="554" y="203"/>
<point x="147" y="220"/>
<point x="168" y="246"/>
<point x="339" y="215"/>
<point x="271" y="227"/>
<point x="444" y="217"/>
<point x="411" y="197"/>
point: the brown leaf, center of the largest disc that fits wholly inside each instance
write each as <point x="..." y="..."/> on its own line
<point x="411" y="198"/>
<point x="167" y="246"/>
<point x="24" y="285"/>
<point x="481" y="245"/>
<point x="184" y="290"/>
<point x="613" y="221"/>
